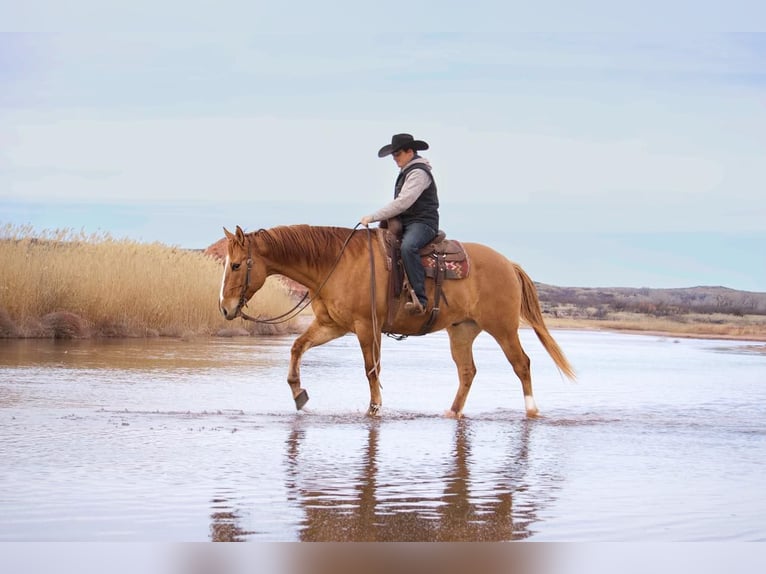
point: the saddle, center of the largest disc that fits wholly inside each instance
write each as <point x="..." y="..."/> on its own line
<point x="442" y="259"/>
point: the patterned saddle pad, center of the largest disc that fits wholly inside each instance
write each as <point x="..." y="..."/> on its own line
<point x="452" y="256"/>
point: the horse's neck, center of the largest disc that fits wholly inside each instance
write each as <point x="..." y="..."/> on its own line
<point x="296" y="273"/>
<point x="296" y="269"/>
<point x="303" y="253"/>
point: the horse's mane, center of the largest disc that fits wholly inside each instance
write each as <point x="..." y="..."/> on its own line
<point x="315" y="246"/>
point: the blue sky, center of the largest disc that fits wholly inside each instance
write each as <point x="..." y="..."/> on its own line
<point x="629" y="155"/>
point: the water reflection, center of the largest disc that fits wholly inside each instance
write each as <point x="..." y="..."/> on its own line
<point x="111" y="432"/>
<point x="225" y="521"/>
<point x="471" y="504"/>
<point x="161" y="354"/>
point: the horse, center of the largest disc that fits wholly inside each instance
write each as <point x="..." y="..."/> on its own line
<point x="346" y="275"/>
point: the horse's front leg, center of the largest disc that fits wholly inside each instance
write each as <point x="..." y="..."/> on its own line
<point x="369" y="340"/>
<point x="316" y="334"/>
<point x="461" y="338"/>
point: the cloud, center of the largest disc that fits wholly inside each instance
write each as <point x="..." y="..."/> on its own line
<point x="667" y="129"/>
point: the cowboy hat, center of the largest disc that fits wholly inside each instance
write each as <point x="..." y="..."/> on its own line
<point x="401" y="141"/>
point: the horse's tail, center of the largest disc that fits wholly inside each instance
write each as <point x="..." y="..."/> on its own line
<point x="531" y="313"/>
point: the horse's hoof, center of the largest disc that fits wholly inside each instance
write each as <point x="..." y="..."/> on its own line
<point x="301" y="399"/>
<point x="374" y="410"/>
<point x="531" y="407"/>
<point x="453" y="415"/>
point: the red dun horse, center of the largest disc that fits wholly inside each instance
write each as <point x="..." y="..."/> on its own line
<point x="336" y="265"/>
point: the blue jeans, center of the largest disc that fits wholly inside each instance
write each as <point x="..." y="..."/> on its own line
<point x="415" y="237"/>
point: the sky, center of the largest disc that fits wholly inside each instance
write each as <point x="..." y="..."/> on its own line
<point x="596" y="145"/>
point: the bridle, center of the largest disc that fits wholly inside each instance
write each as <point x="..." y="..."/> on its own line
<point x="300" y="306"/>
<point x="284" y="317"/>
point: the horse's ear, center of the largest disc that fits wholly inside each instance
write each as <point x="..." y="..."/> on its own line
<point x="229" y="235"/>
<point x="240" y="235"/>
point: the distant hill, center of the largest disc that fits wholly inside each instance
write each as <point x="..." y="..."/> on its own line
<point x="656" y="302"/>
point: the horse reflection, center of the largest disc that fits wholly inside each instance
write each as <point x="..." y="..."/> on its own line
<point x="224" y="522"/>
<point x="468" y="508"/>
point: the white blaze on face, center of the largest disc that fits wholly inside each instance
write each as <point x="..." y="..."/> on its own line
<point x="223" y="279"/>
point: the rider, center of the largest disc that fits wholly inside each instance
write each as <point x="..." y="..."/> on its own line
<point x="416" y="204"/>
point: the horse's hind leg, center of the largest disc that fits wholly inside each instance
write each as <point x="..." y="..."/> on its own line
<point x="316" y="334"/>
<point x="519" y="360"/>
<point x="461" y="338"/>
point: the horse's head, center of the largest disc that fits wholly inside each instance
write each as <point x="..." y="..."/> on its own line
<point x="243" y="273"/>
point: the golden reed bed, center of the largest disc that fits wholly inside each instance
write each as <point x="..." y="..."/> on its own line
<point x="67" y="284"/>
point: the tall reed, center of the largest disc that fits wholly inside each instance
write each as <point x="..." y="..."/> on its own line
<point x="118" y="287"/>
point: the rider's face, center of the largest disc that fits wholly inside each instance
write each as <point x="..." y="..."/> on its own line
<point x="403" y="157"/>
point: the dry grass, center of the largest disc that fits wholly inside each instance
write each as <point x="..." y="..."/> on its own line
<point x="67" y="284"/>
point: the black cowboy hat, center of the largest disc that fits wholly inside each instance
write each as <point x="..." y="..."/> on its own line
<point x="402" y="141"/>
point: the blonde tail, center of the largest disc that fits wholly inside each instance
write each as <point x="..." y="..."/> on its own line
<point x="531" y="313"/>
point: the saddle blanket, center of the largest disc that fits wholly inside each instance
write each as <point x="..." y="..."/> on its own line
<point x="449" y="252"/>
<point x="454" y="260"/>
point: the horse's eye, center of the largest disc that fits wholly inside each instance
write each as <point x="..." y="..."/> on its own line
<point x="235" y="266"/>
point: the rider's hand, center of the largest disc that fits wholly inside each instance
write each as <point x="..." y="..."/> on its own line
<point x="366" y="220"/>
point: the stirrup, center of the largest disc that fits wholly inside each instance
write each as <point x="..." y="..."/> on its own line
<point x="414" y="308"/>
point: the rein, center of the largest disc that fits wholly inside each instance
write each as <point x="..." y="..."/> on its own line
<point x="297" y="309"/>
<point x="374" y="310"/>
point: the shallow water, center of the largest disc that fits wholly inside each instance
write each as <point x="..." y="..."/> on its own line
<point x="164" y="440"/>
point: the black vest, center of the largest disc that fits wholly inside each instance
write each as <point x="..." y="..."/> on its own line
<point x="426" y="207"/>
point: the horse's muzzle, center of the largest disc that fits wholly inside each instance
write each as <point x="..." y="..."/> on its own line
<point x="229" y="315"/>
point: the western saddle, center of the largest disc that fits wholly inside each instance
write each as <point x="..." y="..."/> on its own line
<point x="442" y="259"/>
